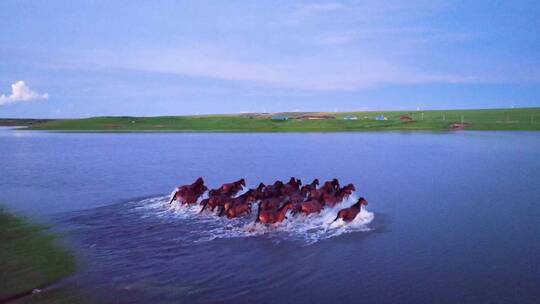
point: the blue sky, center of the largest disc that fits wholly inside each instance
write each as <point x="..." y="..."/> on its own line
<point x="90" y="58"/>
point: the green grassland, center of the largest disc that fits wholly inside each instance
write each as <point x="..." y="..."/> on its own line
<point x="30" y="259"/>
<point x="439" y="120"/>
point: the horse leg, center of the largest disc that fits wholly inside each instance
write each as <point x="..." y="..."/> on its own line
<point x="221" y="211"/>
<point x="204" y="206"/>
<point x="337" y="217"/>
<point x="173" y="197"/>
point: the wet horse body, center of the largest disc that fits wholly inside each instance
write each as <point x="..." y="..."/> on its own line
<point x="292" y="186"/>
<point x="340" y="195"/>
<point x="216" y="200"/>
<point x="238" y="206"/>
<point x="275" y="200"/>
<point x="349" y="214"/>
<point x="309" y="207"/>
<point x="189" y="194"/>
<point x="273" y="216"/>
<point x="231" y="189"/>
<point x="218" y="197"/>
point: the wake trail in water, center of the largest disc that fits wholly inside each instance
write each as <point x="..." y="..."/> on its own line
<point x="207" y="226"/>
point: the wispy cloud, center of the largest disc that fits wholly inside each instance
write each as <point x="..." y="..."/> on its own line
<point x="319" y="73"/>
<point x="20" y="92"/>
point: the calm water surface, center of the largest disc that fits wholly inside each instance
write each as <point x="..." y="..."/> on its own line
<point x="453" y="217"/>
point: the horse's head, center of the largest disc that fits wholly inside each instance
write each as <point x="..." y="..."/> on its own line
<point x="199" y="180"/>
<point x="351" y="187"/>
<point x="261" y="187"/>
<point x="242" y="182"/>
<point x="335" y="182"/>
<point x="362" y="201"/>
<point x="315" y="182"/>
<point x="200" y="188"/>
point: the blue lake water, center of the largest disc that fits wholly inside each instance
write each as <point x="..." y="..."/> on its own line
<point x="455" y="216"/>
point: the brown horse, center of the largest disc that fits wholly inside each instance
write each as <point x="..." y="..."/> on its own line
<point x="216" y="200"/>
<point x="189" y="194"/>
<point x="242" y="199"/>
<point x="231" y="189"/>
<point x="292" y="186"/>
<point x="339" y="196"/>
<point x="271" y="217"/>
<point x="271" y="204"/>
<point x="311" y="186"/>
<point x="238" y="206"/>
<point x="257" y="192"/>
<point x="312" y="206"/>
<point x="273" y="190"/>
<point x="298" y="197"/>
<point x="348" y="214"/>
<point x="183" y="189"/>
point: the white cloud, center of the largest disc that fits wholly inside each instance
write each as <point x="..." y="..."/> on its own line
<point x="342" y="72"/>
<point x="20" y="92"/>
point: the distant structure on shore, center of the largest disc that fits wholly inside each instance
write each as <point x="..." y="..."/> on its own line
<point x="405" y="118"/>
<point x="315" y="116"/>
<point x="381" y="117"/>
<point x="350" y="117"/>
<point x="280" y="117"/>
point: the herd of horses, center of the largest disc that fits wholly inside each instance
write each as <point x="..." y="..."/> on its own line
<point x="274" y="200"/>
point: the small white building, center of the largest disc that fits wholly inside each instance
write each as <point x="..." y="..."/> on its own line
<point x="350" y="117"/>
<point x="381" y="117"/>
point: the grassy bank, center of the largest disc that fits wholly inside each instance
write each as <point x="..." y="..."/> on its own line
<point x="482" y="119"/>
<point x="30" y="259"/>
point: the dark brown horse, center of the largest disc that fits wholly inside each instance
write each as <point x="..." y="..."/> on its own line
<point x="311" y="186"/>
<point x="189" y="194"/>
<point x="275" y="216"/>
<point x="348" y="214"/>
<point x="312" y="206"/>
<point x="238" y="206"/>
<point x="231" y="189"/>
<point x="271" y="204"/>
<point x="273" y="190"/>
<point x="330" y="186"/>
<point x="340" y="195"/>
<point x="215" y="200"/>
<point x="298" y="197"/>
<point x="292" y="186"/>
<point x="257" y="192"/>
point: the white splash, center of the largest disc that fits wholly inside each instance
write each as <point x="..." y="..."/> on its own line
<point x="309" y="229"/>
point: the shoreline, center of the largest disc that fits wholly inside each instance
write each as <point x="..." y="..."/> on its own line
<point x="32" y="261"/>
<point x="521" y="119"/>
